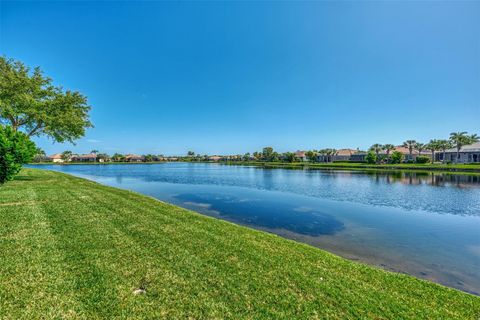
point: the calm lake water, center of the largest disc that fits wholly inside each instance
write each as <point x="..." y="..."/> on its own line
<point x="426" y="225"/>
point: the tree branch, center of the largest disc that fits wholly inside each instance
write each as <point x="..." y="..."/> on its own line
<point x="35" y="130"/>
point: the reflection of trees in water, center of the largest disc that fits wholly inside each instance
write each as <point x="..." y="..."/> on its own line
<point x="407" y="177"/>
<point x="430" y="178"/>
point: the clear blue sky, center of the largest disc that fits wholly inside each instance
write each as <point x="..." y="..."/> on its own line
<point x="218" y="77"/>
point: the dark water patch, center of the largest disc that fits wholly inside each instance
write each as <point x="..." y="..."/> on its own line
<point x="267" y="214"/>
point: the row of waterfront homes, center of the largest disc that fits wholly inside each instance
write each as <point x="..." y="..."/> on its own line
<point x="467" y="154"/>
<point x="92" y="157"/>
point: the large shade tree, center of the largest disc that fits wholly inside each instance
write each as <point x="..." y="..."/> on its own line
<point x="311" y="155"/>
<point x="268" y="154"/>
<point x="30" y="103"/>
<point x="289" y="156"/>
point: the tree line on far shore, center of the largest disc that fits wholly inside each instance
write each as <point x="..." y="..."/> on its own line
<point x="377" y="153"/>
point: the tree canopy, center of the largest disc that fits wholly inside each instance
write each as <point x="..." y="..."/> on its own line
<point x="30" y="103"/>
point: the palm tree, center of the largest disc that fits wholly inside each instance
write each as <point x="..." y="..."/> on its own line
<point x="94" y="152"/>
<point x="460" y="139"/>
<point x="410" y="144"/>
<point x="444" y="145"/>
<point x="330" y="154"/>
<point x="377" y="148"/>
<point x="432" y="146"/>
<point x="388" y="147"/>
<point x="323" y="153"/>
<point x="420" y="147"/>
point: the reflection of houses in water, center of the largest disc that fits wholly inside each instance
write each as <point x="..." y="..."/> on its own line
<point x="463" y="181"/>
<point x="435" y="179"/>
<point x="406" y="177"/>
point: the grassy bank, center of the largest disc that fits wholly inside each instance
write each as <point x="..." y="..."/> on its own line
<point x="71" y="248"/>
<point x="453" y="168"/>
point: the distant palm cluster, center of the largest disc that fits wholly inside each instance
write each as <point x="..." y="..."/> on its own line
<point x="459" y="148"/>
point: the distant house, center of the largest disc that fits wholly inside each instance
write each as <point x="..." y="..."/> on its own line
<point x="340" y="155"/>
<point x="467" y="154"/>
<point x="300" y="155"/>
<point x="56" y="158"/>
<point x="134" y="158"/>
<point x="321" y="157"/>
<point x="215" y="158"/>
<point x="344" y="154"/>
<point x="172" y="159"/>
<point x="406" y="153"/>
<point x="84" y="158"/>
<point x="358" y="156"/>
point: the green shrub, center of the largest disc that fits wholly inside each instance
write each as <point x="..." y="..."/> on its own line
<point x="422" y="159"/>
<point x="396" y="157"/>
<point x="15" y="149"/>
<point x="371" y="157"/>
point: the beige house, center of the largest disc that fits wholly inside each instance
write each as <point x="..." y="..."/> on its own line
<point x="344" y="154"/>
<point x="134" y="158"/>
<point x="301" y="155"/>
<point x="406" y="153"/>
<point x="340" y="155"/>
<point x="215" y="158"/>
<point x="56" y="158"/>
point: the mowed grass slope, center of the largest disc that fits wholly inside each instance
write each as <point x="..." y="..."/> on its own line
<point x="71" y="248"/>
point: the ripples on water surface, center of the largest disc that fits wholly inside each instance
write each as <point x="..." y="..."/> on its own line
<point x="424" y="224"/>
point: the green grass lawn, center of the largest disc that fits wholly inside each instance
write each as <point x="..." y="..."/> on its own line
<point x="71" y="248"/>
